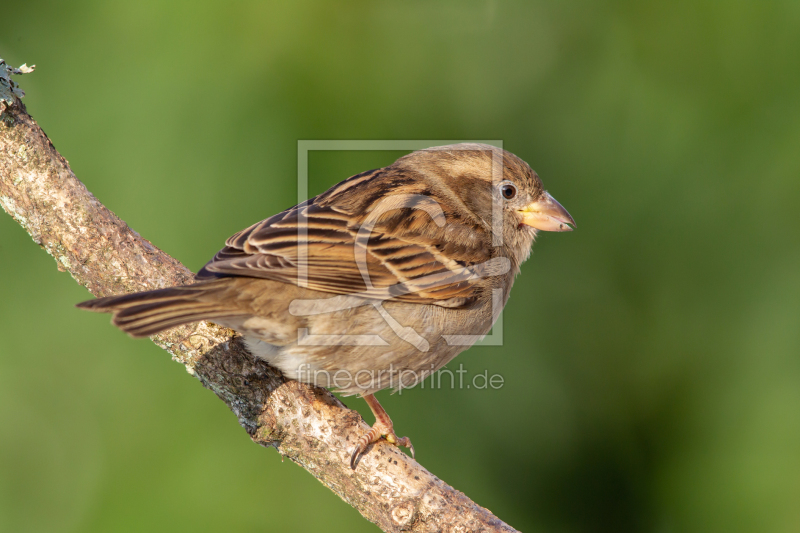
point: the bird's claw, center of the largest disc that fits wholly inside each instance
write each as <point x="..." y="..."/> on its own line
<point x="374" y="435"/>
<point x="405" y="442"/>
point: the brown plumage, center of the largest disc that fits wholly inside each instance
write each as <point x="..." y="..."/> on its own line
<point x="376" y="283"/>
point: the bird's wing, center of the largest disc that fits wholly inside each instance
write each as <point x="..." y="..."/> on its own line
<point x="335" y="243"/>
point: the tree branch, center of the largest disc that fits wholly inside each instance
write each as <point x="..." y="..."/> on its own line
<point x="304" y="423"/>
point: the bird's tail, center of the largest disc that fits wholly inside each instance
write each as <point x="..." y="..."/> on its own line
<point x="142" y="314"/>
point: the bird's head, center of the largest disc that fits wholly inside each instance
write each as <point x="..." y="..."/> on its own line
<point x="500" y="191"/>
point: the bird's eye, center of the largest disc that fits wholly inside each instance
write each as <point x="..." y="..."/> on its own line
<point x="509" y="190"/>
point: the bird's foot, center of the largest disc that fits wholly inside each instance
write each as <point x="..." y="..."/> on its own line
<point x="382" y="428"/>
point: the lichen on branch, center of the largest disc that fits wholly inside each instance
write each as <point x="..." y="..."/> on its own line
<point x="9" y="89"/>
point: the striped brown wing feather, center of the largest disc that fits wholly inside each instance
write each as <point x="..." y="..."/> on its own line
<point x="398" y="261"/>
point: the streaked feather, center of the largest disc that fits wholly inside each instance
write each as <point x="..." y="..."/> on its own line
<point x="317" y="244"/>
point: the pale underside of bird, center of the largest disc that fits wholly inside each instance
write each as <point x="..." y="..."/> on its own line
<point x="376" y="283"/>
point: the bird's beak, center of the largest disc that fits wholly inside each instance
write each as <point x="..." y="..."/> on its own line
<point x="547" y="214"/>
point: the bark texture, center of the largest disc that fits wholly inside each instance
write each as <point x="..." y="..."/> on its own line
<point x="308" y="425"/>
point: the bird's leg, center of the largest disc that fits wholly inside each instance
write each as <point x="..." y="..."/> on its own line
<point x="381" y="428"/>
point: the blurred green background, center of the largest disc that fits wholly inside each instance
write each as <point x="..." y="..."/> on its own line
<point x="651" y="358"/>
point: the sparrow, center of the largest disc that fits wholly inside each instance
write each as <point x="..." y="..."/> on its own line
<point x="376" y="283"/>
